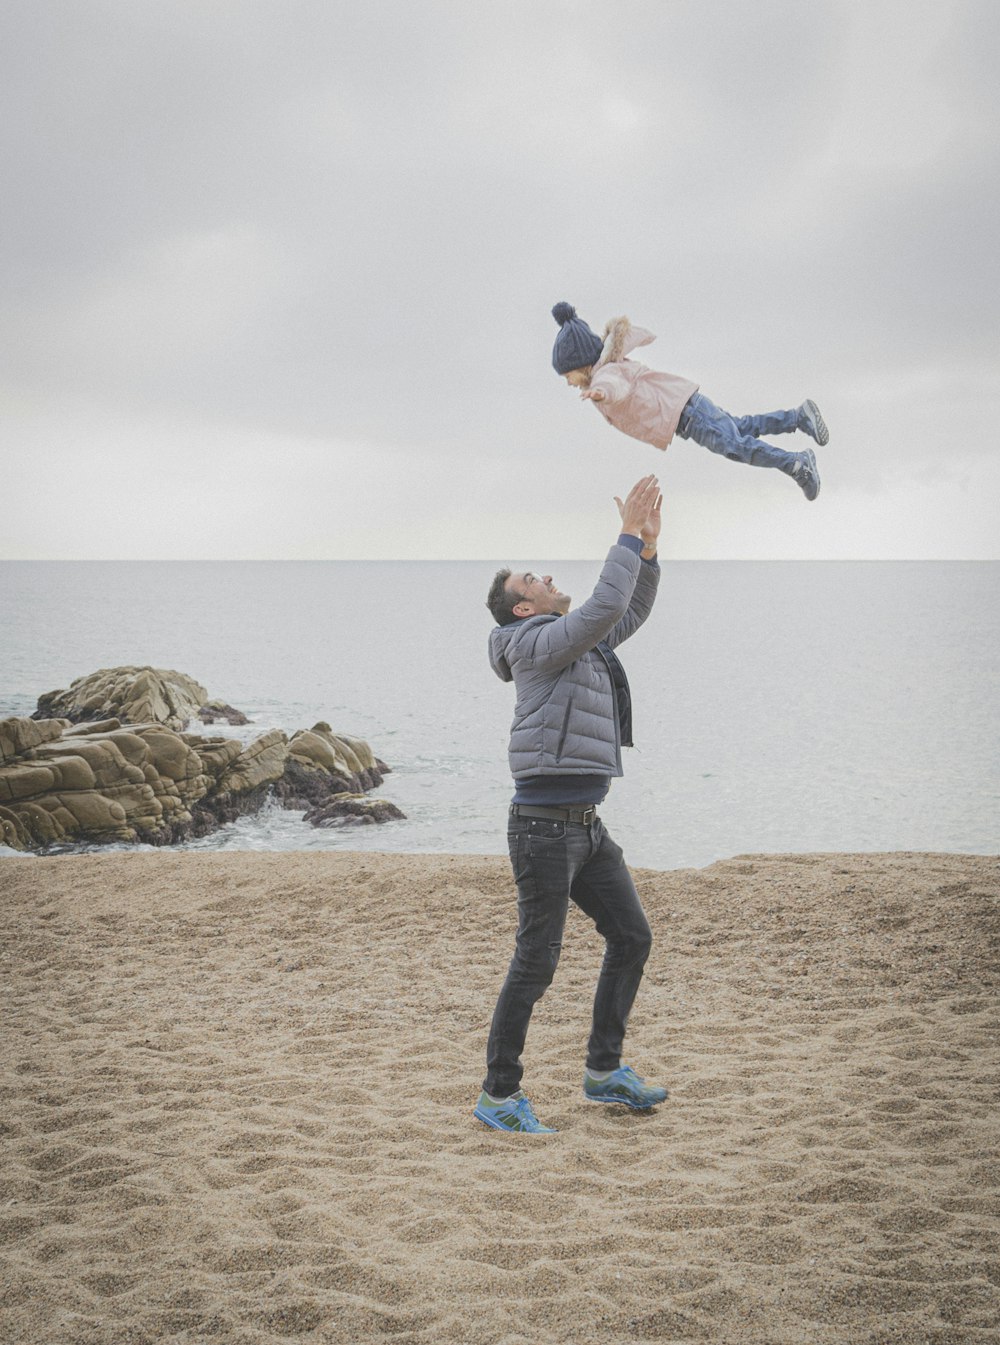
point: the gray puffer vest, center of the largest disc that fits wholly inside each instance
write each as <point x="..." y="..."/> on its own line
<point x="566" y="719"/>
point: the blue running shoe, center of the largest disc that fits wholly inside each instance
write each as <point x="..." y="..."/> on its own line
<point x="813" y="423"/>
<point x="510" y="1113"/>
<point x="806" y="473"/>
<point x="623" y="1086"/>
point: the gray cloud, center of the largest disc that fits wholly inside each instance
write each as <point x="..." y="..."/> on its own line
<point x="321" y="224"/>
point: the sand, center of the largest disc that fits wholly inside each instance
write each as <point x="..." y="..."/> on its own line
<point x="236" y="1103"/>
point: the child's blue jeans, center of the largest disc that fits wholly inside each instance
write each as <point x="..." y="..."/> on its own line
<point x="736" y="437"/>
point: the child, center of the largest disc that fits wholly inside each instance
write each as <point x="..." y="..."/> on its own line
<point x="652" y="406"/>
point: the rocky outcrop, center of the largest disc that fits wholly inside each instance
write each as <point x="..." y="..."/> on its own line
<point x="322" y="763"/>
<point x="214" y="711"/>
<point x="106" y="782"/>
<point x="133" y="695"/>
<point x="18" y="736"/>
<point x="344" y="809"/>
<point x="63" y="779"/>
<point x="326" y="774"/>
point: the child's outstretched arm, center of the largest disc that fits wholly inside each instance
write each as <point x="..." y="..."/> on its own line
<point x="608" y="384"/>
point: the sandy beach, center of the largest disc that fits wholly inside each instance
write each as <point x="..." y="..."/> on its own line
<point x="237" y="1092"/>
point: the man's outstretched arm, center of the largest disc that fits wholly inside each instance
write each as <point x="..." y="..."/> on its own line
<point x="558" y="643"/>
<point x="644" y="593"/>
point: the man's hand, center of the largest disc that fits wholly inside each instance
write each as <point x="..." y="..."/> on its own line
<point x="640" y="510"/>
<point x="651" y="532"/>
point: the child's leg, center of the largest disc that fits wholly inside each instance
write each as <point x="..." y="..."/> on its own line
<point x="806" y="417"/>
<point x="770" y="422"/>
<point x="716" y="430"/>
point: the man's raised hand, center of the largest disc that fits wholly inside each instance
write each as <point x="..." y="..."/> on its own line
<point x="651" y="532"/>
<point x="640" y="510"/>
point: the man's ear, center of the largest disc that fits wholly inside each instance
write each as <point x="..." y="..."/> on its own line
<point x="523" y="608"/>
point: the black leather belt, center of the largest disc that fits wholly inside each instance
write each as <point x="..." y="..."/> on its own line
<point x="582" y="816"/>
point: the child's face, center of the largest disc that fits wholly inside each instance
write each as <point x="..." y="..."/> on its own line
<point x="579" y="378"/>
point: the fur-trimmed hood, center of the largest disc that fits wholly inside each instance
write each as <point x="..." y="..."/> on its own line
<point x="643" y="403"/>
<point x="620" y="339"/>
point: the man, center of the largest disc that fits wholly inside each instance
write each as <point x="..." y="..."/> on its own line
<point x="571" y="719"/>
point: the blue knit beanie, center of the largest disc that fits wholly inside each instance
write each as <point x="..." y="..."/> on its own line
<point x="576" y="345"/>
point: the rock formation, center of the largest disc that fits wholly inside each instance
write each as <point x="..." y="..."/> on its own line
<point x="325" y="774"/>
<point x="94" y="772"/>
<point x="212" y="711"/>
<point x="132" y="695"/>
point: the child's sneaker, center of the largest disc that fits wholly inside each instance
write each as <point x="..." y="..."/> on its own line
<point x="806" y="473"/>
<point x="512" y="1113"/>
<point x="813" y="423"/>
<point x="623" y="1086"/>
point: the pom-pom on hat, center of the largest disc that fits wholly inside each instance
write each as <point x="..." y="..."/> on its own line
<point x="576" y="345"/>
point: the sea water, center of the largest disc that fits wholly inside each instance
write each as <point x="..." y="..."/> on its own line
<point x="778" y="706"/>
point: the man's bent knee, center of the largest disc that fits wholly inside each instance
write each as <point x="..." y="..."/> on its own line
<point x="629" y="952"/>
<point x="537" y="965"/>
<point x="641" y="949"/>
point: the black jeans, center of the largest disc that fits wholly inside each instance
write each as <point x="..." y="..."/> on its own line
<point x="553" y="863"/>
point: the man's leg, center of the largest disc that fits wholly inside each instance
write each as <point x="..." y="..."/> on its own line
<point x="603" y="888"/>
<point x="544" y="857"/>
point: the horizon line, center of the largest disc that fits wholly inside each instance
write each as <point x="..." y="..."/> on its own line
<point x="486" y="560"/>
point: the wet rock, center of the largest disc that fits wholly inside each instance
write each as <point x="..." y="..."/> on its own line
<point x="352" y="810"/>
<point x="323" y="765"/>
<point x="212" y="712"/>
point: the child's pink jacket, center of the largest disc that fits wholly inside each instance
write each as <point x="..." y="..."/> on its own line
<point x="640" y="402"/>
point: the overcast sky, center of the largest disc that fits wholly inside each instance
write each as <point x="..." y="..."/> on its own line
<point x="277" y="276"/>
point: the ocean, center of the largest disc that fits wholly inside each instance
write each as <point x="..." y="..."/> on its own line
<point x="778" y="706"/>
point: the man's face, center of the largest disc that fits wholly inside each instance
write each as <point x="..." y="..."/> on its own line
<point x="538" y="595"/>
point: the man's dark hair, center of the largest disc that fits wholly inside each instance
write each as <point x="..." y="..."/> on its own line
<point x="500" y="602"/>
